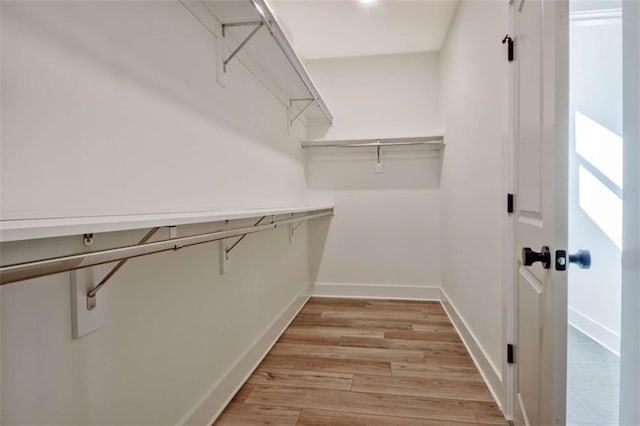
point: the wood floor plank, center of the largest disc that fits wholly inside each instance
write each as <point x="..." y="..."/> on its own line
<point x="408" y="316"/>
<point x="301" y="379"/>
<point x="448" y="360"/>
<point x="366" y="362"/>
<point x="243" y="393"/>
<point x="364" y="403"/>
<point x="444" y="334"/>
<point x="432" y="327"/>
<point x="314" y="363"/>
<point x="379" y="305"/>
<point x="304" y="319"/>
<point x="460" y="373"/>
<point x="336" y="418"/>
<point x="433" y="347"/>
<point x="333" y="331"/>
<point x="372" y="304"/>
<point x="236" y="414"/>
<point x="422" y="386"/>
<point x="336" y="301"/>
<point x="344" y="352"/>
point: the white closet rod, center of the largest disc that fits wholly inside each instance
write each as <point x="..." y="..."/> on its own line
<point x="435" y="141"/>
<point x="43" y="267"/>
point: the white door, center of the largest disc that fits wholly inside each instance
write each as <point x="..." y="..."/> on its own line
<point x="540" y="99"/>
<point x="630" y="332"/>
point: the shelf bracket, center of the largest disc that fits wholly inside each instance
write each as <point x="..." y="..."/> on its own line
<point x="224" y="251"/>
<point x="307" y="105"/>
<point x="258" y="25"/>
<point x="91" y="296"/>
<point x="228" y="250"/>
<point x="292" y="230"/>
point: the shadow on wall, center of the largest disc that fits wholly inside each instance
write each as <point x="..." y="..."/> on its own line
<point x="355" y="168"/>
<point x="318" y="232"/>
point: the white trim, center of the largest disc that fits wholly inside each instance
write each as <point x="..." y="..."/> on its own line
<point x="598" y="332"/>
<point x="378" y="291"/>
<point x="522" y="411"/>
<point x="216" y="398"/>
<point x="491" y="374"/>
<point x="595" y="15"/>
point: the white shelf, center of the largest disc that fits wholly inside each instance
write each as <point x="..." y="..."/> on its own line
<point x="268" y="50"/>
<point x="29" y="229"/>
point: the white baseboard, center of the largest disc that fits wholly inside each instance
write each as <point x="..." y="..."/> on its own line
<point x="211" y="405"/>
<point x="598" y="332"/>
<point x="490" y="372"/>
<point x="377" y="291"/>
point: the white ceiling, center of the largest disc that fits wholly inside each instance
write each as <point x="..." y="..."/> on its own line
<point x="338" y="28"/>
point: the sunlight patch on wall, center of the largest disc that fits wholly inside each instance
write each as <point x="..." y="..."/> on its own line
<point x="600" y="150"/>
<point x="600" y="147"/>
<point x="602" y="205"/>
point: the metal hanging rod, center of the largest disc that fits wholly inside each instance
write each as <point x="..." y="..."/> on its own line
<point x="44" y="267"/>
<point x="434" y="141"/>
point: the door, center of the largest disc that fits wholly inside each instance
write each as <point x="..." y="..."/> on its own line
<point x="630" y="330"/>
<point x="540" y="101"/>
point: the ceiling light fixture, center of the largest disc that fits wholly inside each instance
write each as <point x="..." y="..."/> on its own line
<point x="367" y="1"/>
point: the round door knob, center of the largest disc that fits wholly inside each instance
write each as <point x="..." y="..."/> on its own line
<point x="582" y="258"/>
<point x="529" y="257"/>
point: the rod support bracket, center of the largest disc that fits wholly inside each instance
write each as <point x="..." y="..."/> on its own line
<point x="87" y="239"/>
<point x="91" y="296"/>
<point x="91" y="302"/>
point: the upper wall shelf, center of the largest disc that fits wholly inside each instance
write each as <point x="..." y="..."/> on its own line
<point x="249" y="29"/>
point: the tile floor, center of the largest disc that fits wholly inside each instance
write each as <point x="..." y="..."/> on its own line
<point x="593" y="377"/>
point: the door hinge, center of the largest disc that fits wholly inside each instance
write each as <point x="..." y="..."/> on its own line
<point x="507" y="39"/>
<point x="510" y="359"/>
<point x="509" y="203"/>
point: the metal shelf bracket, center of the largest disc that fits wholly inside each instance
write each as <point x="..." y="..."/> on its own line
<point x="91" y="296"/>
<point x="258" y="25"/>
<point x="308" y="101"/>
<point x="292" y="230"/>
<point x="228" y="250"/>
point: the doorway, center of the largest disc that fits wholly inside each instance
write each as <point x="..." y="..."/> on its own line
<point x="595" y="212"/>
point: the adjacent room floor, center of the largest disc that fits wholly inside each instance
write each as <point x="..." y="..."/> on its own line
<point x="593" y="381"/>
<point x="366" y="362"/>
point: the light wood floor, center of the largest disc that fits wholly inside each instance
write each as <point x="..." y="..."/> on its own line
<point x="366" y="362"/>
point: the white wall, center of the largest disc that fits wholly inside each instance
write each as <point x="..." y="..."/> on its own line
<point x="473" y="186"/>
<point x="386" y="228"/>
<point x="89" y="106"/>
<point x="595" y="92"/>
<point x="113" y="107"/>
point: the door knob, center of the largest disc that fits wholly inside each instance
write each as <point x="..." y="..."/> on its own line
<point x="529" y="257"/>
<point x="582" y="258"/>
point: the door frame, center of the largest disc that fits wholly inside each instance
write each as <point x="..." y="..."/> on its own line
<point x="630" y="345"/>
